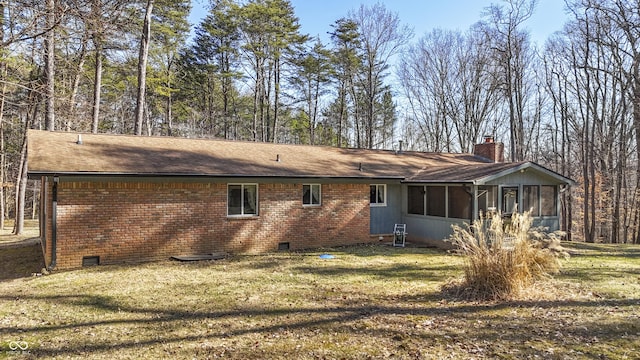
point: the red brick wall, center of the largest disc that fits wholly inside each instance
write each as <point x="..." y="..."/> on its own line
<point x="142" y="221"/>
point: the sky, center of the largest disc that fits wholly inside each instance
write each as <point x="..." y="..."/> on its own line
<point x="316" y="16"/>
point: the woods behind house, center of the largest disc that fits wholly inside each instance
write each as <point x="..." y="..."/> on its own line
<point x="247" y="72"/>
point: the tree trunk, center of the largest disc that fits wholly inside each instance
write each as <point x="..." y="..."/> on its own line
<point x="276" y="99"/>
<point x="169" y="116"/>
<point x="21" y="186"/>
<point x="76" y="84"/>
<point x="97" y="77"/>
<point x="142" y="68"/>
<point x="341" y="110"/>
<point x="50" y="67"/>
<point x="3" y="72"/>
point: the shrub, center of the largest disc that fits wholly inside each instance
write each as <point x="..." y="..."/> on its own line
<point x="502" y="257"/>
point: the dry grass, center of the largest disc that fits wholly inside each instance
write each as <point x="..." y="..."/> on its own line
<point x="20" y="255"/>
<point x="502" y="260"/>
<point x="370" y="302"/>
<point x="30" y="231"/>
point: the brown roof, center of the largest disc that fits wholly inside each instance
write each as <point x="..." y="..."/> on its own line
<point x="58" y="153"/>
<point x="463" y="173"/>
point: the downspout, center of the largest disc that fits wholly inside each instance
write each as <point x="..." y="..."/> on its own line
<point x="54" y="225"/>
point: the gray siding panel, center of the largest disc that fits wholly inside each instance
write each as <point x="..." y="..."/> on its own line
<point x="524" y="178"/>
<point x="551" y="223"/>
<point x="430" y="227"/>
<point x="383" y="218"/>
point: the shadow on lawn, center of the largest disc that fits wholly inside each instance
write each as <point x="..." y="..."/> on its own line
<point x="602" y="250"/>
<point x="20" y="260"/>
<point x="337" y="319"/>
<point x="595" y="274"/>
<point x="434" y="273"/>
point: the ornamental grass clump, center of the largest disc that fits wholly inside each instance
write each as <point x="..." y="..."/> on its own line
<point x="502" y="258"/>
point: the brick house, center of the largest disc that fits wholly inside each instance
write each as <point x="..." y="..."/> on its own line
<point x="116" y="198"/>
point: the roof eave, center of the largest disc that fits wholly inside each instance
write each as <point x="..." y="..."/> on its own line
<point x="524" y="166"/>
<point x="440" y="181"/>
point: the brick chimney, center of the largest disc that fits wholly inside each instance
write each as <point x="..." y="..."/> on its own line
<point x="490" y="149"/>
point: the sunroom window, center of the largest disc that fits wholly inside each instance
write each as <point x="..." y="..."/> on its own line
<point x="436" y="201"/>
<point x="415" y="200"/>
<point x="459" y="202"/>
<point x="509" y="200"/>
<point x="530" y="198"/>
<point x="487" y="200"/>
<point x="548" y="198"/>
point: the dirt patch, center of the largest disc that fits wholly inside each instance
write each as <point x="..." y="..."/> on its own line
<point x="20" y="259"/>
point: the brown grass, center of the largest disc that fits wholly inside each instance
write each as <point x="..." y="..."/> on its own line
<point x="501" y="258"/>
<point x="370" y="302"/>
<point x="20" y="255"/>
<point x="31" y="231"/>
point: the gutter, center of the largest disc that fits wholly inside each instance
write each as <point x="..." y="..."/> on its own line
<point x="54" y="224"/>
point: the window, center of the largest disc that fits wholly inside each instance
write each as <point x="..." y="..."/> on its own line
<point x="509" y="200"/>
<point x="311" y="194"/>
<point x="242" y="199"/>
<point x="530" y="198"/>
<point x="378" y="195"/>
<point x="415" y="200"/>
<point x="459" y="202"/>
<point x="487" y="200"/>
<point x="548" y="198"/>
<point x="436" y="201"/>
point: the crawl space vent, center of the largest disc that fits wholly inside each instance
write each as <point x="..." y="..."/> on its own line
<point x="90" y="260"/>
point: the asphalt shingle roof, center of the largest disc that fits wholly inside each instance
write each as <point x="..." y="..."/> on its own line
<point x="58" y="153"/>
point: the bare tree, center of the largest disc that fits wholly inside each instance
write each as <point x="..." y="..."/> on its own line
<point x="450" y="87"/>
<point x="427" y="73"/>
<point x="618" y="24"/>
<point x="512" y="51"/>
<point x="381" y="37"/>
<point x="475" y="89"/>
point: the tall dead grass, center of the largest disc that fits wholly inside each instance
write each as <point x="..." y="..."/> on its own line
<point x="503" y="258"/>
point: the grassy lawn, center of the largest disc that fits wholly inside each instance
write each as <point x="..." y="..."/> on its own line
<point x="31" y="230"/>
<point x="20" y="255"/>
<point x="369" y="302"/>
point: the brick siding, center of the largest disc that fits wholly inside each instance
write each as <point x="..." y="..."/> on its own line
<point x="143" y="221"/>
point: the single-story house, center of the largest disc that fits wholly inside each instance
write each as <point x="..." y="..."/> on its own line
<point x="116" y="198"/>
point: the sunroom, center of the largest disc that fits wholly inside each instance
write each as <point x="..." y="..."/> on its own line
<point x="436" y="199"/>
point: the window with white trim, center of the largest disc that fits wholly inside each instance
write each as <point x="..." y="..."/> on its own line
<point x="311" y="194"/>
<point x="242" y="199"/>
<point x="378" y="195"/>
